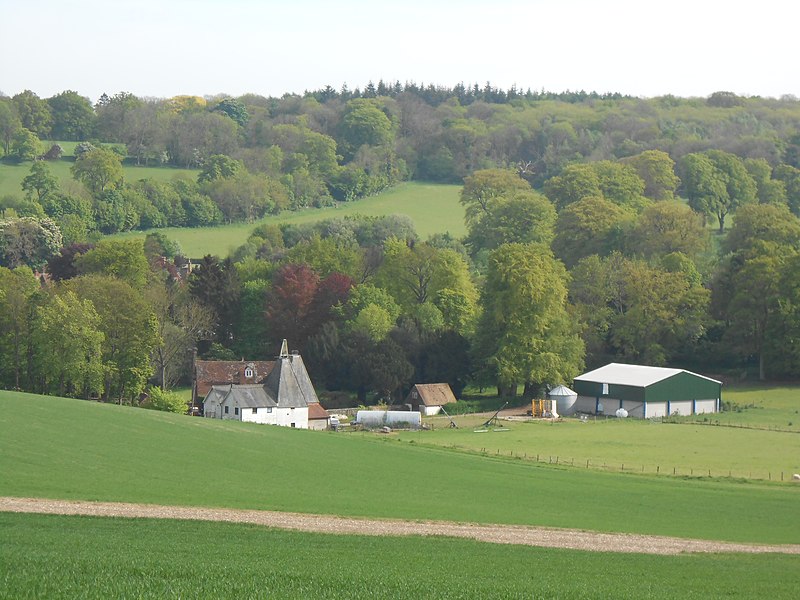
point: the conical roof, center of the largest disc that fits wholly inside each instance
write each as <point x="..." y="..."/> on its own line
<point x="289" y="384"/>
<point x="562" y="390"/>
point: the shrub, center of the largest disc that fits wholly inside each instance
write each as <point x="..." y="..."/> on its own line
<point x="160" y="399"/>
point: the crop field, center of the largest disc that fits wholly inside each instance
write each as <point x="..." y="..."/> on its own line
<point x="73" y="449"/>
<point x="434" y="208"/>
<point x="69" y="557"/>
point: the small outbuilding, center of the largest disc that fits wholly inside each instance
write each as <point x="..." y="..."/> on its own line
<point x="429" y="398"/>
<point x="646" y="392"/>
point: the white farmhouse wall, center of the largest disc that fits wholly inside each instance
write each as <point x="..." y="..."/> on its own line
<point x="318" y="424"/>
<point x="263" y="415"/>
<point x="431" y="410"/>
<point x="298" y="416"/>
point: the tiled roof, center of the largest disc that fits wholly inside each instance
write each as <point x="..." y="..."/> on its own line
<point x="288" y="383"/>
<point x="315" y="411"/>
<point x="220" y="372"/>
<point x="249" y="396"/>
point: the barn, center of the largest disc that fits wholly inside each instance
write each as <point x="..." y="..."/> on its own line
<point x="646" y="392"/>
<point x="429" y="398"/>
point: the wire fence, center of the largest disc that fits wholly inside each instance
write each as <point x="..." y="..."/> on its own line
<point x="634" y="468"/>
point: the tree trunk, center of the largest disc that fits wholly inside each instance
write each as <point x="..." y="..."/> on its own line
<point x="531" y="390"/>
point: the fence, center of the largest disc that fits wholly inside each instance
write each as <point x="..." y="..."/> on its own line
<point x="633" y="468"/>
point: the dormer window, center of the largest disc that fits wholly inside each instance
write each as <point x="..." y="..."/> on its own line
<point x="248" y="373"/>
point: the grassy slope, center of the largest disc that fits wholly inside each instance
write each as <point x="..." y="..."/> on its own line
<point x="434" y="208"/>
<point x="11" y="175"/>
<point x="62" y="448"/>
<point x="69" y="557"/>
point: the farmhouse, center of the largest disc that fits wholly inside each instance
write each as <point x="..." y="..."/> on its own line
<point x="646" y="392"/>
<point x="428" y="398"/>
<point x="208" y="373"/>
<point x="286" y="397"/>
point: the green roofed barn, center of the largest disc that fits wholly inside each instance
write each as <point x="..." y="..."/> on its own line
<point x="646" y="392"/>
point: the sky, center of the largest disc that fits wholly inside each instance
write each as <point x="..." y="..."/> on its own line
<point x="163" y="48"/>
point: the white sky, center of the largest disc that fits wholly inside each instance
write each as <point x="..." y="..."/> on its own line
<point x="162" y="48"/>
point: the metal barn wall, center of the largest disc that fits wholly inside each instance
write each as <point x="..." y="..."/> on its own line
<point x="682" y="386"/>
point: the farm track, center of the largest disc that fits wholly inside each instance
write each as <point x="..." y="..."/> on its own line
<point x="499" y="534"/>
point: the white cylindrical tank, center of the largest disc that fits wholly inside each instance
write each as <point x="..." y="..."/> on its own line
<point x="565" y="399"/>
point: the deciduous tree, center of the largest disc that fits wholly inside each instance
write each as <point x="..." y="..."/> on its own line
<point x="525" y="334"/>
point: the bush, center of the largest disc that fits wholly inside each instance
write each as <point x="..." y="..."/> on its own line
<point x="160" y="399"/>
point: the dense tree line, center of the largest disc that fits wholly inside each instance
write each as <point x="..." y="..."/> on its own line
<point x="599" y="228"/>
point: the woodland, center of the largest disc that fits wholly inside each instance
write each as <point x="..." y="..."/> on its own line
<point x="661" y="231"/>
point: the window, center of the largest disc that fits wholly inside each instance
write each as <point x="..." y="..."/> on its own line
<point x="248" y="372"/>
<point x="605" y="389"/>
<point x="236" y="410"/>
<point x="292" y="424"/>
<point x="255" y="410"/>
<point x="226" y="410"/>
<point x="269" y="409"/>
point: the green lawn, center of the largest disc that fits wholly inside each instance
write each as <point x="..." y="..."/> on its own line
<point x="82" y="557"/>
<point x="61" y="448"/>
<point x="434" y="208"/>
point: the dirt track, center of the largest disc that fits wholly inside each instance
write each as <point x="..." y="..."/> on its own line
<point x="499" y="534"/>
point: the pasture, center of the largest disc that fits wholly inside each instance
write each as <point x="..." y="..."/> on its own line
<point x="759" y="438"/>
<point x="73" y="449"/>
<point x="434" y="208"/>
<point x="68" y="557"/>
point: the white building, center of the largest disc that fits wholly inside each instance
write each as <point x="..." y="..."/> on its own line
<point x="285" y="398"/>
<point x="646" y="392"/>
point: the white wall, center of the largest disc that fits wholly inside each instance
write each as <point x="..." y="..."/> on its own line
<point x="318" y="424"/>
<point x="682" y="407"/>
<point x="585" y="404"/>
<point x="705" y="406"/>
<point x="278" y="416"/>
<point x="655" y="410"/>
<point x="263" y="415"/>
<point x="430" y="410"/>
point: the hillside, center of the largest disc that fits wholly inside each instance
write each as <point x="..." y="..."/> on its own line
<point x="71" y="449"/>
<point x="434" y="208"/>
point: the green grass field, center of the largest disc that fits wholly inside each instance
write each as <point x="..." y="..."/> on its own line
<point x="82" y="557"/>
<point x="11" y="174"/>
<point x="434" y="208"/>
<point x="73" y="449"/>
<point x="766" y="447"/>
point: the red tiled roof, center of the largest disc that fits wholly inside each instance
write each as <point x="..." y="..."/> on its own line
<point x="221" y="372"/>
<point x="315" y="411"/>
